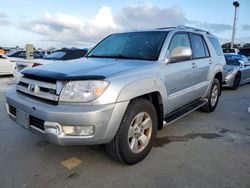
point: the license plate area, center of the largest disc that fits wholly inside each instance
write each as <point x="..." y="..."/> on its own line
<point x="22" y="118"/>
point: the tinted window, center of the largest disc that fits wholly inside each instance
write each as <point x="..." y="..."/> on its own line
<point x="216" y="45"/>
<point x="136" y="45"/>
<point x="55" y="55"/>
<point x="229" y="51"/>
<point x="198" y="46"/>
<point x="179" y="40"/>
<point x="21" y="54"/>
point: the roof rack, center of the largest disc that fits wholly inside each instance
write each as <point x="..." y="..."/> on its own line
<point x="186" y="27"/>
<point x="192" y="29"/>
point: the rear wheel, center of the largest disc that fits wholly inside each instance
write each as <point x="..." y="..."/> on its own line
<point x="213" y="97"/>
<point x="236" y="81"/>
<point x="136" y="134"/>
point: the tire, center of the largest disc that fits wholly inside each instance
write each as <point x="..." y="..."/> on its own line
<point x="213" y="97"/>
<point x="127" y="146"/>
<point x="236" y="81"/>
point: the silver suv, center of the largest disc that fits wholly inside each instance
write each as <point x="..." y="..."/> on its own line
<point x="123" y="91"/>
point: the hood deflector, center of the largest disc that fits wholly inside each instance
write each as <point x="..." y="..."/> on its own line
<point x="49" y="76"/>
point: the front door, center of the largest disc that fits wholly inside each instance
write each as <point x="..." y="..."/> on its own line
<point x="179" y="76"/>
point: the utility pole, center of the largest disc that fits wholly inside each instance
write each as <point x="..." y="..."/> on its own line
<point x="236" y="4"/>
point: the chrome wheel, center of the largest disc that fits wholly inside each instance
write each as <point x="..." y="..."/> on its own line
<point x="140" y="131"/>
<point x="214" y="95"/>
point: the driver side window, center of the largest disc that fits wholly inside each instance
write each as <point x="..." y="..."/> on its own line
<point x="179" y="40"/>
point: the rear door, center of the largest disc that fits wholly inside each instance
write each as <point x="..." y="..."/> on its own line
<point x="201" y="61"/>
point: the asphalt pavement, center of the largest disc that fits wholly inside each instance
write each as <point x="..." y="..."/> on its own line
<point x="199" y="150"/>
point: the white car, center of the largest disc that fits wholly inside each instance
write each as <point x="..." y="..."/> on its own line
<point x="7" y="66"/>
<point x="59" y="56"/>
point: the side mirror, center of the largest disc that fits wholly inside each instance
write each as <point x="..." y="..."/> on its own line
<point x="242" y="63"/>
<point x="180" y="54"/>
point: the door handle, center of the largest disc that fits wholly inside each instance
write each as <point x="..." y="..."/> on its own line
<point x="194" y="65"/>
<point x="210" y="62"/>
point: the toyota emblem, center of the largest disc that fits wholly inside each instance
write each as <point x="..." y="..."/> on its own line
<point x="32" y="87"/>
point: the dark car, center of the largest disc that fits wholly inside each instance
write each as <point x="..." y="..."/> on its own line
<point x="66" y="54"/>
<point x="22" y="54"/>
<point x="232" y="50"/>
<point x="245" y="52"/>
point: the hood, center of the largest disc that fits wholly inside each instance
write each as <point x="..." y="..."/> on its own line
<point x="87" y="68"/>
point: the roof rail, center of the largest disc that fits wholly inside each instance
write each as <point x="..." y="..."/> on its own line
<point x="192" y="28"/>
<point x="170" y="27"/>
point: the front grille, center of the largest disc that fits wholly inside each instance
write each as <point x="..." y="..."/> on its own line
<point x="36" y="122"/>
<point x="12" y="110"/>
<point x="40" y="89"/>
<point x="39" y="99"/>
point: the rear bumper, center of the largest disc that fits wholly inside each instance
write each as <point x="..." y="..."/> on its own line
<point x="104" y="118"/>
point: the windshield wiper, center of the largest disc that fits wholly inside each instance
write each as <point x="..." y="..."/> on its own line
<point x="97" y="56"/>
<point x="112" y="56"/>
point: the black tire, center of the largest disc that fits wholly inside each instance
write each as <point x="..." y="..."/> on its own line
<point x="210" y="105"/>
<point x="119" y="147"/>
<point x="236" y="81"/>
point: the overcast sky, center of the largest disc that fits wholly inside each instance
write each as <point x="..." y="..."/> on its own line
<point x="59" y="23"/>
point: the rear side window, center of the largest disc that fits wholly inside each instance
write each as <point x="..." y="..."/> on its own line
<point x="199" y="46"/>
<point x="216" y="45"/>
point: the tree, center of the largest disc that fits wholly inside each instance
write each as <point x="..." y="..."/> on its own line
<point x="228" y="45"/>
<point x="247" y="45"/>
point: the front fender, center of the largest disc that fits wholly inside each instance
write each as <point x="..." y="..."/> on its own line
<point x="141" y="87"/>
<point x="217" y="69"/>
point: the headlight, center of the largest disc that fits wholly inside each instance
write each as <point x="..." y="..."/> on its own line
<point x="83" y="91"/>
<point x="230" y="71"/>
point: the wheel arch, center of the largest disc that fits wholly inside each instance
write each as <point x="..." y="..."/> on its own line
<point x="156" y="99"/>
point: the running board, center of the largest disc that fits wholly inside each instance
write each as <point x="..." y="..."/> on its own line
<point x="179" y="113"/>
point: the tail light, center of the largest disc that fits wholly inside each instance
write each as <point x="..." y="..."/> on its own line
<point x="36" y="64"/>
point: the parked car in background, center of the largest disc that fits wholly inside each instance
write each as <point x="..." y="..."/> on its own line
<point x="22" y="54"/>
<point x="245" y="52"/>
<point x="232" y="50"/>
<point x="237" y="70"/>
<point x="63" y="55"/>
<point x="7" y="67"/>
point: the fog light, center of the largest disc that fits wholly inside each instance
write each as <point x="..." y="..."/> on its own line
<point x="78" y="130"/>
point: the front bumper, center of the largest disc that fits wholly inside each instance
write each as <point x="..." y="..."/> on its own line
<point x="104" y="118"/>
<point x="229" y="80"/>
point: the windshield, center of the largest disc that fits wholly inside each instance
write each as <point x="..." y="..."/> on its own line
<point x="136" y="45"/>
<point x="55" y="55"/>
<point x="232" y="60"/>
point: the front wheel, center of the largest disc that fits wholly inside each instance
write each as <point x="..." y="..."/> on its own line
<point x="136" y="134"/>
<point x="213" y="97"/>
<point x="236" y="83"/>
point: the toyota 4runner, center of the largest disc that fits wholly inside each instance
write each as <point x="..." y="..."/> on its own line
<point x="123" y="90"/>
